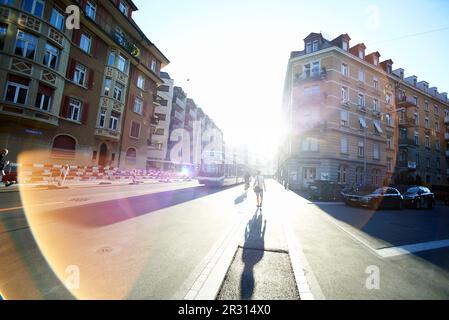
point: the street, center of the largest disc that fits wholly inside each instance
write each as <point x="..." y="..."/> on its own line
<point x="185" y="241"/>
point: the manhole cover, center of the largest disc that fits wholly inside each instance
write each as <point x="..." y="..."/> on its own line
<point x="105" y="250"/>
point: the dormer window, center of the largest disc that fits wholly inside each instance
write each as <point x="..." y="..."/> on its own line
<point x="375" y="61"/>
<point x="361" y="54"/>
<point x="123" y="7"/>
<point x="345" y="45"/>
<point x="309" y="47"/>
<point x="389" y="68"/>
<point x="315" y="46"/>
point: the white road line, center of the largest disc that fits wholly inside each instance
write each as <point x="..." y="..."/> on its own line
<point x="412" y="248"/>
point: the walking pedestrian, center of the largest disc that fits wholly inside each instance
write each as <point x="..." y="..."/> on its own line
<point x="259" y="188"/>
<point x="3" y="164"/>
<point x="63" y="175"/>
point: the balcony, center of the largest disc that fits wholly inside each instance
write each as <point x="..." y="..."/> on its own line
<point x="154" y="121"/>
<point x="310" y="76"/>
<point x="361" y="107"/>
<point x="407" y="143"/>
<point x="108" y="134"/>
<point x="122" y="41"/>
<point x="157" y="100"/>
<point x="179" y="117"/>
<point x="404" y="101"/>
<point x="446" y="120"/>
<point x="377" y="114"/>
<point x="412" y="166"/>
<point x="407" y="122"/>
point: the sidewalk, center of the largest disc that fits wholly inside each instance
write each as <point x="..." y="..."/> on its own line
<point x="262" y="266"/>
<point x="76" y="185"/>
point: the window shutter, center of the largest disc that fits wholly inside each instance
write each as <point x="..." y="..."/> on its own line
<point x="131" y="103"/>
<point x="85" y="113"/>
<point x="135" y="77"/>
<point x="90" y="81"/>
<point x="71" y="69"/>
<point x="77" y="37"/>
<point x="64" y="112"/>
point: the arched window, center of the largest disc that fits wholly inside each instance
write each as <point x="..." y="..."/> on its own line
<point x="64" y="146"/>
<point x="131" y="156"/>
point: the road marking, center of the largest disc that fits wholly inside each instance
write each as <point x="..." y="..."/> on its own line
<point x="34" y="206"/>
<point x="412" y="248"/>
<point x="390" y="252"/>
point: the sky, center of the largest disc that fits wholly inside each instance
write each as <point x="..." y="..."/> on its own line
<point x="231" y="56"/>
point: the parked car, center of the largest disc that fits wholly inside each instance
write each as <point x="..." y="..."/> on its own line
<point x="325" y="191"/>
<point x="352" y="196"/>
<point x="380" y="198"/>
<point x="419" y="197"/>
<point x="10" y="173"/>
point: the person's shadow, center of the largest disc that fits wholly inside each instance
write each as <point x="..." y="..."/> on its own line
<point x="253" y="252"/>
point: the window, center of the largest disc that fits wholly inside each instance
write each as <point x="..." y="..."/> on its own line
<point x="415" y="100"/>
<point x="344" y="145"/>
<point x="376" y="152"/>
<point x="437" y="126"/>
<point x="64" y="146"/>
<point x="427" y="142"/>
<point x="17" y="91"/>
<point x="25" y="45"/>
<point x="388" y="98"/>
<point x="426" y="123"/>
<point x="113" y="121"/>
<point x="377" y="127"/>
<point x="436" y="111"/>
<point x="51" y="56"/>
<point x="402" y="156"/>
<point x="102" y="118"/>
<point x="74" y="110"/>
<point x="131" y="156"/>
<point x="141" y="82"/>
<point x="389" y="143"/>
<point x="344" y="69"/>
<point x="308" y="47"/>
<point x="3" y="31"/>
<point x="138" y="105"/>
<point x="359" y="176"/>
<point x="362" y="75"/>
<point x="362" y="123"/>
<point x="123" y="7"/>
<point x="437" y="145"/>
<point x="376" y="83"/>
<point x="79" y="76"/>
<point x="345" y="45"/>
<point x="344" y="117"/>
<point x="315" y="46"/>
<point x="344" y="94"/>
<point x="426" y="106"/>
<point x="118" y="91"/>
<point x="388" y="119"/>
<point x="375" y="61"/>
<point x="91" y="9"/>
<point x="389" y="165"/>
<point x="376" y="105"/>
<point x="85" y="42"/>
<point x="310" y="144"/>
<point x="341" y="174"/>
<point x="361" y="54"/>
<point x="416" y="117"/>
<point x="43" y="100"/>
<point x="361" y="100"/>
<point x="438" y="163"/>
<point x="122" y="63"/>
<point x="361" y="149"/>
<point x="135" y="130"/>
<point x="107" y="87"/>
<point x="154" y="66"/>
<point x="35" y="7"/>
<point x="111" y="58"/>
<point x="416" y="139"/>
<point x="315" y="68"/>
<point x="417" y="159"/>
<point x="428" y="165"/>
<point x="57" y="18"/>
<point x="375" y="177"/>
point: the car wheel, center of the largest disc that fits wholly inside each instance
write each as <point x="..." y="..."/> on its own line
<point x="418" y="204"/>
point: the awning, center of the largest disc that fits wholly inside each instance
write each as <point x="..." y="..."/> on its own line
<point x="363" y="122"/>
<point x="377" y="126"/>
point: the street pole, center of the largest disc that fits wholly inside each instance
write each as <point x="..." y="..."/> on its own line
<point x="365" y="157"/>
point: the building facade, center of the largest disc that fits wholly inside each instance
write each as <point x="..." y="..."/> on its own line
<point x="342" y="116"/>
<point x="69" y="94"/>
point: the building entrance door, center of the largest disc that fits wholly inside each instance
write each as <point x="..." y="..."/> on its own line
<point x="103" y="159"/>
<point x="309" y="176"/>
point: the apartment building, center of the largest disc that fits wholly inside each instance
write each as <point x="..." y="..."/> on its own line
<point x="340" y="111"/>
<point x="158" y="156"/>
<point x="73" y="95"/>
<point x="423" y="125"/>
<point x="354" y="120"/>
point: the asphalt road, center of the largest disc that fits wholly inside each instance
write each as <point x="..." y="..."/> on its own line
<point x="153" y="241"/>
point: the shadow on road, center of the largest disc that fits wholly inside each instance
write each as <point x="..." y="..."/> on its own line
<point x="110" y="212"/>
<point x="253" y="252"/>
